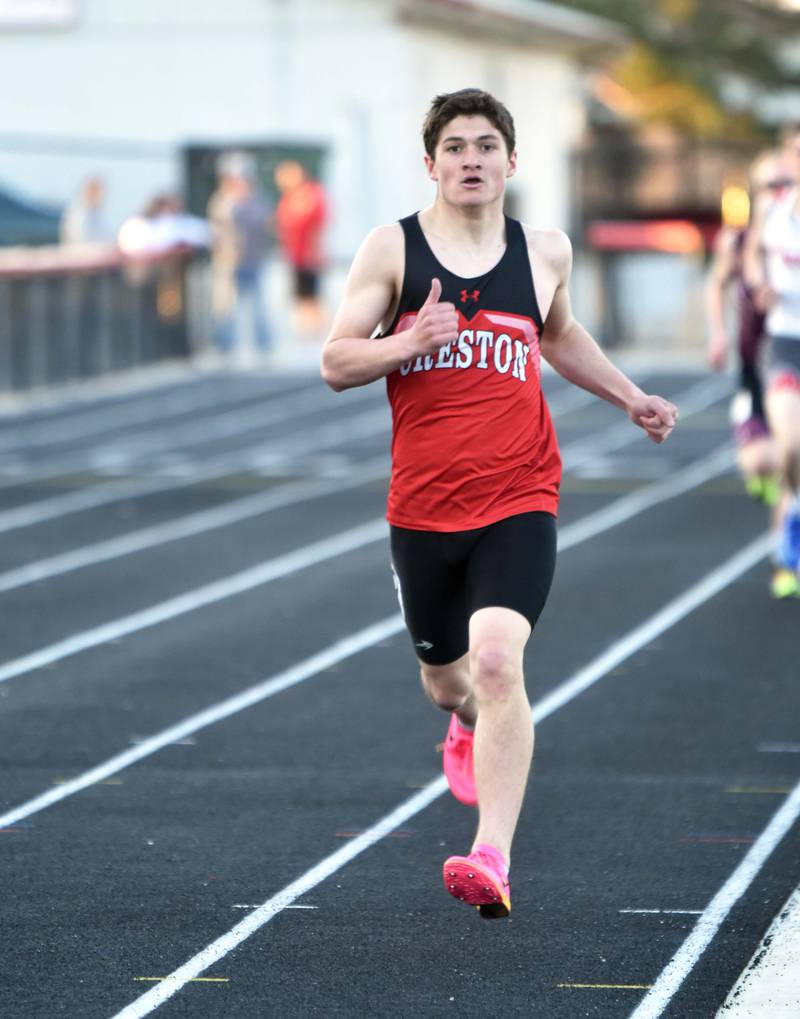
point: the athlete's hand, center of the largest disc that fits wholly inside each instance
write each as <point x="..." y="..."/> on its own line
<point x="764" y="297"/>
<point x="655" y="415"/>
<point x="436" y="324"/>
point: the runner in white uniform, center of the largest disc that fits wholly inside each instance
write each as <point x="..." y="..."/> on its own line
<point x="773" y="268"/>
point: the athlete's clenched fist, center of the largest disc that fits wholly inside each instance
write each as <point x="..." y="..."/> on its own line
<point x="655" y="415"/>
<point x="437" y="322"/>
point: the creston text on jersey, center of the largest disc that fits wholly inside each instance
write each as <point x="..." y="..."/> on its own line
<point x="477" y="348"/>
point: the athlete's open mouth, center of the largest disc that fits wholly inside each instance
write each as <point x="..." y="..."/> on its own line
<point x="472" y="180"/>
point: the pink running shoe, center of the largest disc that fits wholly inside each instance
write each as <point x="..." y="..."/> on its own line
<point x="458" y="766"/>
<point x="480" y="879"/>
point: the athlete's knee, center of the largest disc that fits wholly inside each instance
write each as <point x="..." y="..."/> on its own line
<point x="448" y="688"/>
<point x="496" y="669"/>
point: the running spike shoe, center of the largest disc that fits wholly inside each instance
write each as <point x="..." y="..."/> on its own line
<point x="770" y="490"/>
<point x="458" y="763"/>
<point x="481" y="880"/>
<point x="785" y="583"/>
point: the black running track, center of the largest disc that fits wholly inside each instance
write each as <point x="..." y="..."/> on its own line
<point x="650" y="786"/>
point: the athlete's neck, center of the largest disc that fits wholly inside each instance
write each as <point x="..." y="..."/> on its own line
<point x="477" y="228"/>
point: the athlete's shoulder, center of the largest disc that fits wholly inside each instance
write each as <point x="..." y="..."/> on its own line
<point x="382" y="249"/>
<point x="551" y="246"/>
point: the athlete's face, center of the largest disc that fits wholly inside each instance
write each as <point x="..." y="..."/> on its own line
<point x="471" y="162"/>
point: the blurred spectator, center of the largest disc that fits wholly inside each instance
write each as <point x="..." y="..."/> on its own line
<point x="163" y="226"/>
<point x="241" y="223"/>
<point x="300" y="217"/>
<point x="84" y="220"/>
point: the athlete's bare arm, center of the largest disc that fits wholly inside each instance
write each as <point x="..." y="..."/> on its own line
<point x="722" y="271"/>
<point x="569" y="348"/>
<point x="350" y="356"/>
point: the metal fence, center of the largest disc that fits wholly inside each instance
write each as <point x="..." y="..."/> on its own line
<point x="67" y="314"/>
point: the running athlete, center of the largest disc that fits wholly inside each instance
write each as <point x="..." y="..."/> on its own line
<point x="773" y="271"/>
<point x="754" y="448"/>
<point x="443" y="305"/>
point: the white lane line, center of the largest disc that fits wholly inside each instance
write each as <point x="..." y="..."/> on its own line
<point x="567" y="691"/>
<point x="100" y="420"/>
<point x="127" y="454"/>
<point x="224" y="709"/>
<point x="124" y="451"/>
<point x="264" y="573"/>
<point x="694" y="400"/>
<point x="263" y="502"/>
<point x="655" y="626"/>
<point x="259" y="456"/>
<point x="779" y="748"/>
<point x="770" y="983"/>
<point x="683" y="962"/>
<point x="296" y="673"/>
<point x="635" y="502"/>
<point x="670" y="912"/>
<point x="255" y="905"/>
<point x="190" y="525"/>
<point x="140" y="540"/>
<point x="623" y="509"/>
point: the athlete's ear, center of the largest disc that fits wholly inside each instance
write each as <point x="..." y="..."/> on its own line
<point x="430" y="166"/>
<point x="512" y="164"/>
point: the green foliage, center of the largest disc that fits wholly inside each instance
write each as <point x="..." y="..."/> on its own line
<point x="683" y="51"/>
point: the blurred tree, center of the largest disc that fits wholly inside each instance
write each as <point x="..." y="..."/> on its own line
<point x="699" y="65"/>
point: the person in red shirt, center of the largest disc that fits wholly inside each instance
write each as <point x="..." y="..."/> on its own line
<point x="300" y="218"/>
<point x="454" y="306"/>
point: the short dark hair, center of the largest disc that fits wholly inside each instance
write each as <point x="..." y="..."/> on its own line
<point x="467" y="102"/>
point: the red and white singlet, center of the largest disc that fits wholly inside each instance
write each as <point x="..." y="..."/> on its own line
<point x="473" y="442"/>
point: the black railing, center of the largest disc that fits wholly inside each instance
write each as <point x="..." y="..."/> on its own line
<point x="68" y="314"/>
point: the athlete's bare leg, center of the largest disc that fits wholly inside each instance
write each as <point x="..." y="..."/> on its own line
<point x="450" y="688"/>
<point x="783" y="412"/>
<point x="504" y="731"/>
<point x="757" y="457"/>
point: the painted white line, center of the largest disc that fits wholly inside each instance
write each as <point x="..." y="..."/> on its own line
<point x="190" y="525"/>
<point x="124" y="451"/>
<point x="623" y="509"/>
<point x="634" y="503"/>
<point x="671" y="614"/>
<point x="272" y="569"/>
<point x="148" y="407"/>
<point x="264" y="502"/>
<point x="670" y="912"/>
<point x="770" y="983"/>
<point x="243" y="905"/>
<point x="296" y="673"/>
<point x="779" y="748"/>
<point x="262" y="456"/>
<point x="694" y="400"/>
<point x="210" y="715"/>
<point x="683" y="962"/>
<point x="701" y="592"/>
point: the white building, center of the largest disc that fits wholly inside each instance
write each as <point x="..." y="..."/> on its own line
<point x="118" y="87"/>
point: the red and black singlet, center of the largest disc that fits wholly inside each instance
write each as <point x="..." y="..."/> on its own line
<point x="472" y="441"/>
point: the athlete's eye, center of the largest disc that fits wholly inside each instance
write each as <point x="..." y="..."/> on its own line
<point x="453" y="148"/>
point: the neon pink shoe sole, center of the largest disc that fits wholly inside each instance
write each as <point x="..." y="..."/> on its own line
<point x="470" y="881"/>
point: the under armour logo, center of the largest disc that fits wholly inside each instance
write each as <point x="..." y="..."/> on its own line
<point x="469" y="295"/>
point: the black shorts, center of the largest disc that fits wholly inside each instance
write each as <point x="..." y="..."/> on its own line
<point x="306" y="282"/>
<point x="442" y="578"/>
